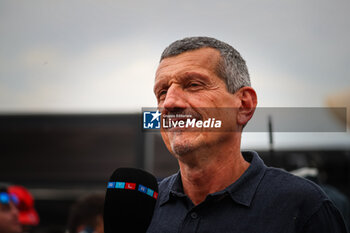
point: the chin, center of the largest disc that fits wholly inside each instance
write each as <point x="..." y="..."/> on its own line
<point x="183" y="143"/>
<point x="181" y="149"/>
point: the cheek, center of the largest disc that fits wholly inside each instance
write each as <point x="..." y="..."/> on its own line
<point x="165" y="139"/>
<point x="211" y="99"/>
<point x="204" y="99"/>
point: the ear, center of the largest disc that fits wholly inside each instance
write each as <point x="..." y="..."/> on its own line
<point x="248" y="102"/>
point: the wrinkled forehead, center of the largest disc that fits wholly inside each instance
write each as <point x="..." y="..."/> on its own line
<point x="199" y="59"/>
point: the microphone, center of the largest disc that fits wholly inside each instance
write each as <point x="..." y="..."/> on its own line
<point x="130" y="200"/>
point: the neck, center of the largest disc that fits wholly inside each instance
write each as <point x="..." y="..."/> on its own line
<point x="211" y="171"/>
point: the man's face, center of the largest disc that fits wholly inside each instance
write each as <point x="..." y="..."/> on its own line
<point x="188" y="84"/>
<point x="9" y="222"/>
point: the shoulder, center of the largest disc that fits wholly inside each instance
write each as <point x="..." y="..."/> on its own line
<point x="281" y="181"/>
<point x="299" y="196"/>
<point x="294" y="188"/>
<point x="288" y="183"/>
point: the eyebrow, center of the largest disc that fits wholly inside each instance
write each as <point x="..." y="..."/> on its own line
<point x="188" y="75"/>
<point x="159" y="85"/>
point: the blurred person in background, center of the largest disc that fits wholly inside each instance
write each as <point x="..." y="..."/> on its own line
<point x="86" y="215"/>
<point x="9" y="222"/>
<point x="28" y="216"/>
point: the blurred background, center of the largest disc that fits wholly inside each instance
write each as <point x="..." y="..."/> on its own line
<point x="74" y="76"/>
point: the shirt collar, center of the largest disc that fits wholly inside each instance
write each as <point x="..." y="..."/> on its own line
<point x="242" y="191"/>
<point x="174" y="188"/>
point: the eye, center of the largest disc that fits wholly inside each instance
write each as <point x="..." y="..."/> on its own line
<point x="194" y="85"/>
<point x="161" y="94"/>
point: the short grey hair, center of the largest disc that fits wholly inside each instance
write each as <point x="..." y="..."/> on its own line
<point x="231" y="68"/>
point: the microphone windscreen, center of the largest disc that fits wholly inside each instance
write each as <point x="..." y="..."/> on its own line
<point x="130" y="200"/>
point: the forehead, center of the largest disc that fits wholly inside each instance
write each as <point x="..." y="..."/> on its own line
<point x="200" y="60"/>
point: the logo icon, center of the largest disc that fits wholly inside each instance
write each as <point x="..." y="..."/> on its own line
<point x="142" y="188"/>
<point x="155" y="195"/>
<point x="130" y="185"/>
<point x="151" y="120"/>
<point x="150" y="192"/>
<point x="111" y="185"/>
<point x="119" y="185"/>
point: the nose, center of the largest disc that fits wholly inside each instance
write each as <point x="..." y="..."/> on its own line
<point x="175" y="99"/>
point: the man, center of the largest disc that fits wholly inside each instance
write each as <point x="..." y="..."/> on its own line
<point x="9" y="222"/>
<point x="218" y="188"/>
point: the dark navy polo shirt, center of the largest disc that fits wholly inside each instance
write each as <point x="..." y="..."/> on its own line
<point x="262" y="200"/>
